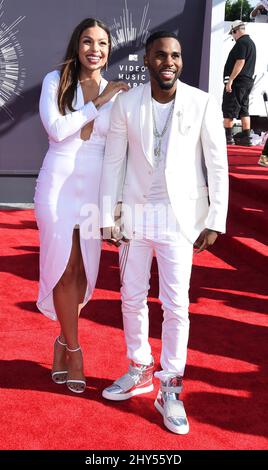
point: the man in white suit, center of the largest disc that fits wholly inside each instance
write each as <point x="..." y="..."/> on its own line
<point x="165" y="162"/>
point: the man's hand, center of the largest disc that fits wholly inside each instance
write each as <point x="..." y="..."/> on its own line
<point x="228" y="86"/>
<point x="113" y="235"/>
<point x="206" y="239"/>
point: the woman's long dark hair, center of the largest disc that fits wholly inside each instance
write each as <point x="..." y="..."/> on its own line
<point x="70" y="69"/>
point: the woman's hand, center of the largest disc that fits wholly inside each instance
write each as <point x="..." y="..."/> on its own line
<point x="108" y="93"/>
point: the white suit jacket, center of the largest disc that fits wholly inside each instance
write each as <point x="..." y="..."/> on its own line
<point x="196" y="164"/>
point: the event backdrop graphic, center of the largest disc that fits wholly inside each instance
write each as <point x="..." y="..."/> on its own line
<point x="12" y="72"/>
<point x="33" y="39"/>
<point x="130" y="35"/>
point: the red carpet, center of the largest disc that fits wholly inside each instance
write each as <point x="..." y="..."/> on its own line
<point x="226" y="386"/>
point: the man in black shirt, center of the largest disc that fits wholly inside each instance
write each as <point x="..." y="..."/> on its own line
<point x="238" y="80"/>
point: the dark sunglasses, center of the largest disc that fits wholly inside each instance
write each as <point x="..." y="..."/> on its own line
<point x="234" y="31"/>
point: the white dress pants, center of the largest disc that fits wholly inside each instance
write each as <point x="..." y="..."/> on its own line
<point x="174" y="258"/>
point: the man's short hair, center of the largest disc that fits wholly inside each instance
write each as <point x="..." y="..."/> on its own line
<point x="158" y="35"/>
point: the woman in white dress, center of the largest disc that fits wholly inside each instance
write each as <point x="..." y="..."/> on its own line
<point x="75" y="107"/>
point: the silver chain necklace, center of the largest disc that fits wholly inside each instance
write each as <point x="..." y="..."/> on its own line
<point x="157" y="135"/>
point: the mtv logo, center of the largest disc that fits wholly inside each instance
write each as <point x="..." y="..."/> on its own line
<point x="133" y="57"/>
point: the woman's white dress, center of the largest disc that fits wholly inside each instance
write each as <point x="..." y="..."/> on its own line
<point x="67" y="189"/>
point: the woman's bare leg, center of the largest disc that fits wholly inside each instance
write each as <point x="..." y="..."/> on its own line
<point x="67" y="295"/>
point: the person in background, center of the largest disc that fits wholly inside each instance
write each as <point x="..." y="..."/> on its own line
<point x="263" y="160"/>
<point x="166" y="161"/>
<point x="75" y="106"/>
<point x="260" y="13"/>
<point x="238" y="82"/>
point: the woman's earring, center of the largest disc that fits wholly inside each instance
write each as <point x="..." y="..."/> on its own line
<point x="106" y="66"/>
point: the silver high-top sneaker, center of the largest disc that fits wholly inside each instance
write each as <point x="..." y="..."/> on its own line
<point x="170" y="407"/>
<point x="138" y="380"/>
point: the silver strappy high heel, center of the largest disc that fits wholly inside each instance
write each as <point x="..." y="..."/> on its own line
<point x="59" y="376"/>
<point x="75" y="385"/>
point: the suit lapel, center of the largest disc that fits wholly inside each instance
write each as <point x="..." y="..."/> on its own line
<point x="146" y="123"/>
<point x="176" y="132"/>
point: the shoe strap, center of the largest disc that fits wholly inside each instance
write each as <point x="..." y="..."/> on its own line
<point x="139" y="368"/>
<point x="170" y="389"/>
<point x="60" y="342"/>
<point x="76" y="381"/>
<point x="132" y="377"/>
<point x="59" y="372"/>
<point x="73" y="350"/>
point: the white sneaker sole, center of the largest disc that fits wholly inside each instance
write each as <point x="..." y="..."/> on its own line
<point x="169" y="425"/>
<point x="126" y="396"/>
